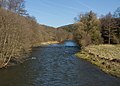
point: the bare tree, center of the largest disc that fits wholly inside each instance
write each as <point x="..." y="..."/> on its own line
<point x="16" y="6"/>
<point x="108" y="25"/>
<point x="3" y="3"/>
<point x="117" y="13"/>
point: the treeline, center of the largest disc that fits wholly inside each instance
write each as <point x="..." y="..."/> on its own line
<point x="18" y="34"/>
<point x="89" y="29"/>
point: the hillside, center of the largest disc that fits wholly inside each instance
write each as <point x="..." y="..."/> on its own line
<point x="18" y="34"/>
<point x="69" y="28"/>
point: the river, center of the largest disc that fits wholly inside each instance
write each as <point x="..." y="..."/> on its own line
<point x="56" y="65"/>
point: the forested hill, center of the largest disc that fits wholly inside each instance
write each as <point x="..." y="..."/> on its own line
<point x="69" y="28"/>
<point x="18" y="34"/>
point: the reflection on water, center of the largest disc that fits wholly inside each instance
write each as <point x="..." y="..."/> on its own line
<point x="56" y="66"/>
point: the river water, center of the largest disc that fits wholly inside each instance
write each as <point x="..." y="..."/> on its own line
<point x="56" y="65"/>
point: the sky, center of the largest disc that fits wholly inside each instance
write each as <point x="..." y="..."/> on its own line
<point x="58" y="13"/>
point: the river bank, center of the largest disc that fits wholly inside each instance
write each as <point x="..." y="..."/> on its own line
<point x="106" y="57"/>
<point x="25" y="56"/>
<point x="49" y="42"/>
<point x="56" y="65"/>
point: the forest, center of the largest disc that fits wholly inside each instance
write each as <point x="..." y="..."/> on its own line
<point x="19" y="32"/>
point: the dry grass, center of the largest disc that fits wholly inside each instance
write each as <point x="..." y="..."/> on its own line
<point x="105" y="51"/>
<point x="107" y="57"/>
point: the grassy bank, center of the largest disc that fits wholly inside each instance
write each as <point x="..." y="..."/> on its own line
<point x="107" y="57"/>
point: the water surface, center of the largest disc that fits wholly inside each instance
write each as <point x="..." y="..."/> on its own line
<point x="56" y="65"/>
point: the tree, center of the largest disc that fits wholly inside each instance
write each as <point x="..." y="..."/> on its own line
<point x="80" y="35"/>
<point x="117" y="13"/>
<point x="2" y="3"/>
<point x="16" y="6"/>
<point x="117" y="28"/>
<point x="108" y="25"/>
<point x="117" y="19"/>
<point x="91" y="26"/>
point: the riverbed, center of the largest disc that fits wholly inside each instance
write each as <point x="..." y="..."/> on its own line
<point x="56" y="65"/>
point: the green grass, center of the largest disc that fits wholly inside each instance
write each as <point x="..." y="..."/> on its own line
<point x="107" y="57"/>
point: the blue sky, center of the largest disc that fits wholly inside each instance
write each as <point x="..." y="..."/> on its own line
<point x="62" y="12"/>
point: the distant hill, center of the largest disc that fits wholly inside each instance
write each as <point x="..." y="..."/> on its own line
<point x="70" y="28"/>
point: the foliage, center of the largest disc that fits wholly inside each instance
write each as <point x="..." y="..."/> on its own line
<point x="88" y="28"/>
